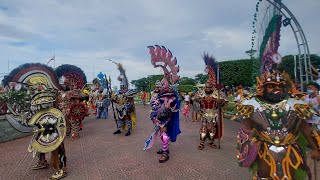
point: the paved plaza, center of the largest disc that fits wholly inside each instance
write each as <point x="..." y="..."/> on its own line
<point x="99" y="154"/>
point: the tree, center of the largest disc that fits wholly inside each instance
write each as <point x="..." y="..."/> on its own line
<point x="287" y="64"/>
<point x="187" y="81"/>
<point x="201" y="78"/>
<point x="236" y="72"/>
<point x="146" y="83"/>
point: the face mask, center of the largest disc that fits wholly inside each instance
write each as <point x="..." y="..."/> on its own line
<point x="310" y="91"/>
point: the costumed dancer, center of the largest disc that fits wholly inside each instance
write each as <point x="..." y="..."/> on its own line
<point x="37" y="113"/>
<point x="74" y="80"/>
<point x="211" y="101"/>
<point x="125" y="108"/>
<point x="274" y="133"/>
<point x="165" y="103"/>
<point x="50" y="133"/>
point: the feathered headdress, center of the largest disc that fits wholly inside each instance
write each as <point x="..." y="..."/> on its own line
<point x="161" y="57"/>
<point x="122" y="77"/>
<point x="211" y="69"/>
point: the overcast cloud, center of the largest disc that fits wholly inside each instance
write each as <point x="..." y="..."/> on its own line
<point x="86" y="33"/>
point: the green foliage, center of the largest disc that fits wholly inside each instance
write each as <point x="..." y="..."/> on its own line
<point x="230" y="107"/>
<point x="186" y="88"/>
<point x="236" y="72"/>
<point x="20" y="98"/>
<point x="146" y="83"/>
<point x="187" y="81"/>
<point x="287" y="64"/>
<point x="201" y="78"/>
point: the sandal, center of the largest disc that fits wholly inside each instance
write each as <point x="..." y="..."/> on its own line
<point x="164" y="158"/>
<point x="160" y="151"/>
<point x="40" y="165"/>
<point x="212" y="145"/>
<point x="59" y="175"/>
<point x="75" y="136"/>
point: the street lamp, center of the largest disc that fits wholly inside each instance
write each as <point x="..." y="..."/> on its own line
<point x="255" y="64"/>
<point x="251" y="52"/>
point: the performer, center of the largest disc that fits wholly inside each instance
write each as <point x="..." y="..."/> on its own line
<point x="211" y="102"/>
<point x="50" y="133"/>
<point x="274" y="131"/>
<point x="165" y="103"/>
<point x="124" y="104"/>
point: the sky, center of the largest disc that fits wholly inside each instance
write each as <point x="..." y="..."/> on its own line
<point x="87" y="33"/>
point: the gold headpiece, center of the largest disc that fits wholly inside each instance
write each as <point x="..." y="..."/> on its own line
<point x="269" y="78"/>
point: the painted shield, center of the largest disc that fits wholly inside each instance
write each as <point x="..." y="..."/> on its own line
<point x="51" y="130"/>
<point x="78" y="111"/>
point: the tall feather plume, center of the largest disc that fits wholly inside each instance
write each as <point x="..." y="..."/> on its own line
<point x="123" y="77"/>
<point x="211" y="66"/>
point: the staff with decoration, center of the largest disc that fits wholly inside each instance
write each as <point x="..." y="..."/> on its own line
<point x="211" y="101"/>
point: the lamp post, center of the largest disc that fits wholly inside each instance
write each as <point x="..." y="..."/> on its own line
<point x="254" y="66"/>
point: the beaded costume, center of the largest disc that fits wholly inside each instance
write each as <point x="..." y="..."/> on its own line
<point x="273" y="136"/>
<point x="211" y="102"/>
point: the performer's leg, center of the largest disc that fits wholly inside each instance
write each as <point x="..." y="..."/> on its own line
<point x="212" y="133"/>
<point x="165" y="140"/>
<point x="192" y="115"/>
<point x="75" y="128"/>
<point x="203" y="134"/>
<point x="98" y="113"/>
<point x="42" y="162"/>
<point x="106" y="112"/>
<point x="120" y="123"/>
<point x="129" y="126"/>
<point x="68" y="124"/>
<point x="58" y="161"/>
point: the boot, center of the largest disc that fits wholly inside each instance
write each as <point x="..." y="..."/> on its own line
<point x="128" y="133"/>
<point x="117" y="132"/>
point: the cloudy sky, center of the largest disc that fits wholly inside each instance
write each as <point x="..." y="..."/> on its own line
<point x="86" y="33"/>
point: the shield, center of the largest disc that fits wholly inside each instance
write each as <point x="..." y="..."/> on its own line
<point x="78" y="111"/>
<point x="51" y="130"/>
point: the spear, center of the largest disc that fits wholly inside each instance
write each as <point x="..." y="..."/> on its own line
<point x="219" y="108"/>
<point x="109" y="92"/>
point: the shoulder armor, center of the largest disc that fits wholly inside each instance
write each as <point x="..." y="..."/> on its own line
<point x="305" y="111"/>
<point x="244" y="111"/>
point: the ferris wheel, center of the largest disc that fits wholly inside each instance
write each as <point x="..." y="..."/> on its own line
<point x="270" y="17"/>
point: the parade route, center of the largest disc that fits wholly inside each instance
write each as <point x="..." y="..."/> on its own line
<point x="99" y="154"/>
